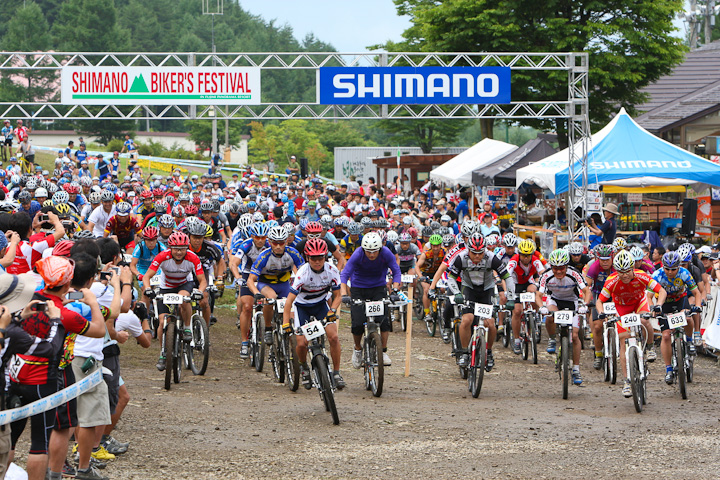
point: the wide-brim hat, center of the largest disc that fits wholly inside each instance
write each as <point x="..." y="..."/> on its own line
<point x="16" y="291"/>
<point x="612" y="208"/>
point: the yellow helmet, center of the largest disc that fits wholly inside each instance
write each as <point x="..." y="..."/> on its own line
<point x="48" y="203"/>
<point x="62" y="209"/>
<point x="208" y="231"/>
<point x="527" y="247"/>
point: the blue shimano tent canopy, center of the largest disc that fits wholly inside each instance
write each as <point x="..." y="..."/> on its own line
<point x="625" y="154"/>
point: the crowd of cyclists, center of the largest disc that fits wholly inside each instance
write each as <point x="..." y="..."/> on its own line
<point x="90" y="251"/>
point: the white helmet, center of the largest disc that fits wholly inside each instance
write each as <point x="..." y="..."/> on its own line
<point x="392" y="236"/>
<point x="372" y="242"/>
<point x="467" y="228"/>
<point x="41" y="192"/>
<point x="278" y="234"/>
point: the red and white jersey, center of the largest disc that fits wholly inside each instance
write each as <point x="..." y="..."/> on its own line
<point x="174" y="274"/>
<point x="524" y="273"/>
<point x="27" y="254"/>
<point x="450" y="256"/>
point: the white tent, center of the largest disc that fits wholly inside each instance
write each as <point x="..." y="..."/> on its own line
<point x="459" y="169"/>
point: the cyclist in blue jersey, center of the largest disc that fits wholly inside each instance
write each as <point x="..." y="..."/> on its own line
<point x="270" y="274"/>
<point x="143" y="254"/>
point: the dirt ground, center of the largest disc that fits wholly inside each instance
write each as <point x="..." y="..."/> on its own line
<point x="237" y="423"/>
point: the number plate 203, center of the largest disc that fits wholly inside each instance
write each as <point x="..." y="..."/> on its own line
<point x="676" y="320"/>
<point x="374" y="309"/>
<point x="527" y="297"/>
<point x="630" y="320"/>
<point x="172" y="299"/>
<point x="313" y="329"/>
<point x="563" y="317"/>
<point x="483" y="310"/>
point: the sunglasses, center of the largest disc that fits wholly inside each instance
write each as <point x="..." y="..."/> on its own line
<point x="560" y="268"/>
<point x="667" y="269"/>
<point x="274" y="242"/>
<point x="317" y="258"/>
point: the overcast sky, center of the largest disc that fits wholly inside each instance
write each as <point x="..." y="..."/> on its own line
<point x="348" y="25"/>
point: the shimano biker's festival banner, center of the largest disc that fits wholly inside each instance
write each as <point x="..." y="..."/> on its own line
<point x="160" y="85"/>
<point x="413" y="85"/>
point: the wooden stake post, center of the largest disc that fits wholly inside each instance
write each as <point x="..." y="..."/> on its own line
<point x="408" y="332"/>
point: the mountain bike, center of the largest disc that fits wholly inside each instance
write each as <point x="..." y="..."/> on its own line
<point x="610" y="342"/>
<point x="172" y="337"/>
<point x="433" y="319"/>
<point x="478" y="347"/>
<point x="276" y="355"/>
<point x="288" y="348"/>
<point x="528" y="325"/>
<point x="635" y="365"/>
<point x="563" y="321"/>
<point x="682" y="361"/>
<point x="197" y="351"/>
<point x="314" y="332"/>
<point x="457" y="349"/>
<point x="152" y="313"/>
<point x="398" y="309"/>
<point x="257" y="330"/>
<point x="373" y="367"/>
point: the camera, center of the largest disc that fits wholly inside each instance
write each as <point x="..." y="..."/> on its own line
<point x="40" y="307"/>
<point x="75" y="296"/>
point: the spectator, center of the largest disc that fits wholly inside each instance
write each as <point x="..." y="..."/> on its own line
<point x="607" y="229"/>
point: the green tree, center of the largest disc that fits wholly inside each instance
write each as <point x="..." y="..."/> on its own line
<point x="104" y="130"/>
<point x="90" y="26"/>
<point x="200" y="131"/>
<point x="631" y="43"/>
<point x="426" y="134"/>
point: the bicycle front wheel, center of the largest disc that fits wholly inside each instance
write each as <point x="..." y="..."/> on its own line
<point x="292" y="364"/>
<point x="565" y="365"/>
<point x="680" y="360"/>
<point x="612" y="361"/>
<point x="533" y="327"/>
<point x="322" y="374"/>
<point x="277" y="357"/>
<point x="199" y="347"/>
<point x="431" y="324"/>
<point x="259" y="350"/>
<point x="374" y="367"/>
<point x="507" y="334"/>
<point x="177" y="356"/>
<point x="477" y="367"/>
<point x="169" y="335"/>
<point x="635" y="380"/>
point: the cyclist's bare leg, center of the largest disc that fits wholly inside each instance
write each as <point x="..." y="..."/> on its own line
<point x="384" y="337"/>
<point x="666" y="347"/>
<point x="577" y="347"/>
<point x="649" y="335"/>
<point x="492" y="332"/>
<point x="621" y="352"/>
<point x="425" y="298"/>
<point x="268" y="310"/>
<point x="331" y="330"/>
<point x="597" y="328"/>
<point x="302" y="348"/>
<point x="247" y="302"/>
<point x="357" y="339"/>
<point x="161" y="322"/>
<point x="516" y="316"/>
<point x="205" y="305"/>
<point x="466" y="329"/>
<point x="185" y="309"/>
<point x="550" y="320"/>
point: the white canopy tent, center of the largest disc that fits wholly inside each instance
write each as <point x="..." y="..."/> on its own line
<point x="459" y="169"/>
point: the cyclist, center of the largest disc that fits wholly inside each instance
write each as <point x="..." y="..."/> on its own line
<point x="627" y="287"/>
<point x="524" y="268"/>
<point x="100" y="216"/>
<point x="688" y="262"/>
<point x="596" y="273"/>
<point x="407" y="253"/>
<point x="315" y="230"/>
<point x="428" y="264"/>
<point x="270" y="274"/>
<point x="146" y="207"/>
<point x="578" y="258"/>
<point x="640" y="262"/>
<point x="308" y="293"/>
<point x="166" y="225"/>
<point x="677" y="281"/>
<point x="563" y="284"/>
<point x="475" y="266"/>
<point x="352" y="240"/>
<point x="177" y="266"/>
<point x="7" y="133"/>
<point x="144" y="253"/>
<point x="243" y="258"/>
<point x="367" y="271"/>
<point x="210" y="256"/>
<point x="122" y="227"/>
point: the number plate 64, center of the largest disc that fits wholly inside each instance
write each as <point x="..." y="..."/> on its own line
<point x="483" y="311"/>
<point x="563" y="317"/>
<point x="313" y="329"/>
<point x="374" y="309"/>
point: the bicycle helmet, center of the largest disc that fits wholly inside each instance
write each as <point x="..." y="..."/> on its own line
<point x="60" y="197"/>
<point x="252" y="205"/>
<point x="315" y="247"/>
<point x="245" y="220"/>
<point x="62" y="249"/>
<point x="62" y="210"/>
<point x="123" y="209"/>
<point x="259" y="229"/>
<point x="234" y="208"/>
<point x="24" y="197"/>
<point x="178" y="211"/>
<point x="146" y="194"/>
<point x="196" y="227"/>
<point x="371" y="242"/>
<point x="467" y="228"/>
<point x="258" y="217"/>
<point x="184" y="197"/>
<point x="412" y="232"/>
<point x="604" y="251"/>
<point x="336" y="211"/>
<point x="191" y="210"/>
<point x="86" y="181"/>
<point x="448" y="240"/>
<point x="527" y="247"/>
<point x="637" y="253"/>
<point x="51" y="188"/>
<point x="83" y="234"/>
<point x="206" y="206"/>
<point x="435" y="240"/>
<point x="559" y="258"/>
<point x="209" y="231"/>
<point x="405" y="238"/>
<point x="427" y="231"/>
<point x="105" y="196"/>
<point x="576" y="248"/>
<point x="619" y="244"/>
<point x="392" y="236"/>
<point x="166" y="221"/>
<point x="289" y="227"/>
<point x="150" y="233"/>
<point x="94" y="197"/>
<point x="355" y="228"/>
<point x="492" y="241"/>
<point x="510" y="240"/>
<point x="313" y="228"/>
<point x="326" y="220"/>
<point x="367" y="221"/>
<point x="623" y="261"/>
<point x="179" y="239"/>
<point x="671" y="259"/>
<point x="157" y="192"/>
<point x="31" y="183"/>
<point x="277" y="234"/>
<point x="476" y="243"/>
<point x="71" y="188"/>
<point x="445" y="218"/>
<point x="48" y="203"/>
<point x="686" y="251"/>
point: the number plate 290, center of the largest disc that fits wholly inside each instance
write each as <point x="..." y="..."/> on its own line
<point x="172" y="299"/>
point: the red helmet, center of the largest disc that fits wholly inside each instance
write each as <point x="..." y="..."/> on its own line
<point x="178" y="239"/>
<point x="270" y="216"/>
<point x="70" y="188"/>
<point x="196" y="200"/>
<point x="62" y="249"/>
<point x="313" y="227"/>
<point x="315" y="247"/>
<point x="150" y="232"/>
<point x="119" y="196"/>
<point x="146" y="194"/>
<point x="191" y="210"/>
<point x="476" y="242"/>
<point x="343" y="203"/>
<point x="413" y="232"/>
<point x="178" y="211"/>
<point x="157" y="192"/>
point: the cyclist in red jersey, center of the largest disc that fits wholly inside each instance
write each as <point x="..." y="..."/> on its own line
<point x="524" y="267"/>
<point x="627" y="287"/>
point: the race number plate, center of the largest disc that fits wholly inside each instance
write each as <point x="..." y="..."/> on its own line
<point x="407" y="278"/>
<point x="374" y="309"/>
<point x="676" y="320"/>
<point x="441" y="283"/>
<point x="280" y="302"/>
<point x="563" y="317"/>
<point x="527" y="297"/>
<point x="155" y="281"/>
<point x="609" y="308"/>
<point x="483" y="311"/>
<point x="313" y="329"/>
<point x="172" y="299"/>
<point x="630" y="320"/>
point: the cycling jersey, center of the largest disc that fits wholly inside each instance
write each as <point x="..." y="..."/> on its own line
<point x="26" y="254"/>
<point x="270" y="268"/>
<point x="432" y="261"/>
<point x="145" y="256"/>
<point x="524" y="273"/>
<point x="566" y="288"/>
<point x="248" y="253"/>
<point x="7" y="132"/>
<point x="312" y="287"/>
<point x="598" y="275"/>
<point x="630" y="293"/>
<point x="679" y="286"/>
<point x="144" y="211"/>
<point x="580" y="264"/>
<point x="300" y="247"/>
<point x="174" y="274"/>
<point x="477" y="276"/>
<point x="407" y="257"/>
<point x="347" y="246"/>
<point x="209" y="255"/>
<point x="127" y="229"/>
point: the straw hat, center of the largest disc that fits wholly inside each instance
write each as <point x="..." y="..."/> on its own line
<point x="612" y="208"/>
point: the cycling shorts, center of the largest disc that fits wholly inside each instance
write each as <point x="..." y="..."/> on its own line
<point x="565" y="305"/>
<point x="642" y="305"/>
<point x="672" y="307"/>
<point x="244" y="290"/>
<point x="477" y="296"/>
<point x="8" y="141"/>
<point x="187" y="287"/>
<point x="304" y="311"/>
<point x="521" y="288"/>
<point x="357" y="312"/>
<point x="282" y="289"/>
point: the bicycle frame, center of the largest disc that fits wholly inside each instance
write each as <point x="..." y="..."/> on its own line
<point x="610" y="328"/>
<point x="632" y="342"/>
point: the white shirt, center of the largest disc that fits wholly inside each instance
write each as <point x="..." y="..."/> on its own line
<point x="100" y="218"/>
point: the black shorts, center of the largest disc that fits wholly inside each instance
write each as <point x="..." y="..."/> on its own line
<point x="66" y="414"/>
<point x="8" y="141"/>
<point x="521" y="287"/>
<point x="41" y="424"/>
<point x="564" y="304"/>
<point x="187" y="286"/>
<point x="672" y="307"/>
<point x="477" y="296"/>
<point x="113" y="381"/>
<point x="357" y="312"/>
<point x="30" y="158"/>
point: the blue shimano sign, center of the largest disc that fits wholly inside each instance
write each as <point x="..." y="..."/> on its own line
<point x="413" y="85"/>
